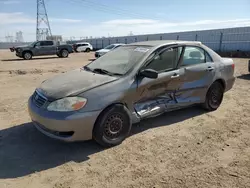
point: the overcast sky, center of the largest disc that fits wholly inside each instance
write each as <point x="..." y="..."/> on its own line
<point x="97" y="18"/>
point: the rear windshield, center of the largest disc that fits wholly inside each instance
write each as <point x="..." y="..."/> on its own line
<point x="120" y="60"/>
<point x="109" y="47"/>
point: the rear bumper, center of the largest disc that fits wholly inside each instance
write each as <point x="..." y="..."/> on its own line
<point x="229" y="84"/>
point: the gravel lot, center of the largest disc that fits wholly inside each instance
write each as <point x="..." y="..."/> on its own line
<point x="186" y="148"/>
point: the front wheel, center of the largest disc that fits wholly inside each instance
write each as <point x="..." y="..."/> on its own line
<point x="87" y="50"/>
<point x="214" y="96"/>
<point x="27" y="55"/>
<point x="64" y="53"/>
<point x="112" y="126"/>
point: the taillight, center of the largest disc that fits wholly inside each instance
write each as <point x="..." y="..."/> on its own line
<point x="233" y="65"/>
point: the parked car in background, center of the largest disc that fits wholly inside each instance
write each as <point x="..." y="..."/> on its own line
<point x="42" y="48"/>
<point x="136" y="81"/>
<point x="107" y="49"/>
<point x="82" y="47"/>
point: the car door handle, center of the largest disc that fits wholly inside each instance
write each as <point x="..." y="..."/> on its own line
<point x="210" y="68"/>
<point x="175" y="76"/>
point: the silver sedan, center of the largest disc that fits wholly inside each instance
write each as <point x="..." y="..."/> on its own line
<point x="141" y="80"/>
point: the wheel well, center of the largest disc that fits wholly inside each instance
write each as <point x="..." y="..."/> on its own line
<point x="27" y="51"/>
<point x="222" y="82"/>
<point x="117" y="103"/>
<point x="63" y="49"/>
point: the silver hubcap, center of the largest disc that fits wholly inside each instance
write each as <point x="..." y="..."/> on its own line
<point x="27" y="56"/>
<point x="64" y="53"/>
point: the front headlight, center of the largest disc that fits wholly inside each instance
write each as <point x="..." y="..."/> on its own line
<point x="67" y="104"/>
<point x="18" y="50"/>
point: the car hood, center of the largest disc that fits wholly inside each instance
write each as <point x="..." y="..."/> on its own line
<point x="72" y="83"/>
<point x="24" y="46"/>
<point x="103" y="51"/>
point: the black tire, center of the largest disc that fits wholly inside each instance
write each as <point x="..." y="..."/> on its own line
<point x="249" y="66"/>
<point x="58" y="54"/>
<point x="87" y="50"/>
<point x="112" y="126"/>
<point x="64" y="53"/>
<point x="214" y="96"/>
<point x="27" y="55"/>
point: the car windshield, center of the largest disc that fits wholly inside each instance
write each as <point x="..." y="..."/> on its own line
<point x="109" y="47"/>
<point x="33" y="43"/>
<point x="120" y="60"/>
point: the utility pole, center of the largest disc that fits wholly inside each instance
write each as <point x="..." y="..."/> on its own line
<point x="42" y="22"/>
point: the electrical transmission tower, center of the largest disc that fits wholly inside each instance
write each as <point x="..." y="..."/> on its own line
<point x="42" y="22"/>
<point x="19" y="36"/>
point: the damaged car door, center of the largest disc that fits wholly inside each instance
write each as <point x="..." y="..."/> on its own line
<point x="198" y="71"/>
<point x="157" y="95"/>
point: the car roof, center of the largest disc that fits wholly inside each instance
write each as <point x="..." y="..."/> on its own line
<point x="118" y="44"/>
<point x="155" y="43"/>
<point x="82" y="43"/>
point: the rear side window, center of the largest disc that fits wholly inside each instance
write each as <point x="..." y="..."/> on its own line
<point x="46" y="43"/>
<point x="82" y="45"/>
<point x="193" y="55"/>
<point x="117" y="46"/>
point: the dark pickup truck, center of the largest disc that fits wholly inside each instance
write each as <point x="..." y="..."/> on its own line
<point x="41" y="48"/>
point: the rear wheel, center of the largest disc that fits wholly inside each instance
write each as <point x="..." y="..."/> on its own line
<point x="27" y="55"/>
<point x="112" y="126"/>
<point x="214" y="96"/>
<point x="64" y="53"/>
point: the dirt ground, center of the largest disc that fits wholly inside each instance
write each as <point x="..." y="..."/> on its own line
<point x="186" y="148"/>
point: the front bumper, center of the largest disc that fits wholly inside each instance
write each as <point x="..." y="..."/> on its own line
<point x="74" y="126"/>
<point x="12" y="49"/>
<point x="19" y="54"/>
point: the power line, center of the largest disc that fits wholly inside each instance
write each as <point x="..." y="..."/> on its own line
<point x="110" y="10"/>
<point x="115" y="8"/>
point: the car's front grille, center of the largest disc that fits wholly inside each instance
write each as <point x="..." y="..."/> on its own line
<point x="38" y="99"/>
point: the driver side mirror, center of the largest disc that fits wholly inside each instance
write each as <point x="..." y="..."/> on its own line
<point x="149" y="73"/>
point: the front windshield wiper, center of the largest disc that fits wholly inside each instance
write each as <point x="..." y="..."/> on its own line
<point x="103" y="71"/>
